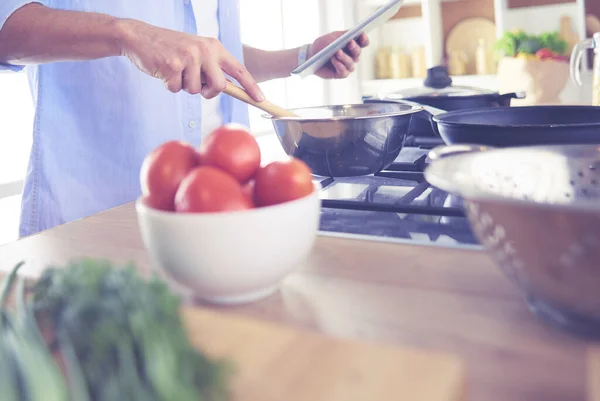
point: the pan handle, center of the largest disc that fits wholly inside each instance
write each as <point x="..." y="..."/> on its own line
<point x="429" y="109"/>
<point x="513" y="95"/>
<point x="442" y="151"/>
<point x="426" y="115"/>
<point x="432" y="111"/>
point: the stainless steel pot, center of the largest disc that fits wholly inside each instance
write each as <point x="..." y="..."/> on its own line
<point x="537" y="212"/>
<point x="347" y="140"/>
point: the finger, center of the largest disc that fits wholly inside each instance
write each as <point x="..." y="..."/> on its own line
<point x="340" y="69"/>
<point x="174" y="82"/>
<point x="354" y="50"/>
<point x="363" y="40"/>
<point x="237" y="71"/>
<point x="191" y="81"/>
<point x="345" y="59"/>
<point x="215" y="79"/>
<point x="170" y="72"/>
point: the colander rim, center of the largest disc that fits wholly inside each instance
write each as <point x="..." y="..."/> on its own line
<point x="437" y="175"/>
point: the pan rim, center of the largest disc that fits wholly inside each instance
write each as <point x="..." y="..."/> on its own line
<point x="437" y="175"/>
<point x="411" y="110"/>
<point x="429" y="97"/>
<point x="443" y="118"/>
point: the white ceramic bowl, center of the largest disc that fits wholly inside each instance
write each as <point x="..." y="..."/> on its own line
<point x="231" y="257"/>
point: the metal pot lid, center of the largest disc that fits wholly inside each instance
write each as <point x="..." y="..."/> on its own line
<point x="450" y="91"/>
<point x="437" y="84"/>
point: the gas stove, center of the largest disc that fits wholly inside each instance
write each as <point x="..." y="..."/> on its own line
<point x="394" y="205"/>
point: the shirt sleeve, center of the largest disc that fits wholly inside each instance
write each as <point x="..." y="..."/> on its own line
<point x="7" y="7"/>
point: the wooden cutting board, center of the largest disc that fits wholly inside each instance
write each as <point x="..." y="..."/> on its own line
<point x="594" y="374"/>
<point x="277" y="363"/>
<point x="465" y="36"/>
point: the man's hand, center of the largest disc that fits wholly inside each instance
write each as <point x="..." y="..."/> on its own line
<point x="184" y="62"/>
<point x="343" y="63"/>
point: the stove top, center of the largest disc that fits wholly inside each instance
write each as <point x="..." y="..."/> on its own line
<point x="395" y="205"/>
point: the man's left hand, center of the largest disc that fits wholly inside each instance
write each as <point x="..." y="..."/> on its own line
<point x="343" y="63"/>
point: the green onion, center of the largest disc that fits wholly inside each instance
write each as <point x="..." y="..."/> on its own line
<point x="35" y="375"/>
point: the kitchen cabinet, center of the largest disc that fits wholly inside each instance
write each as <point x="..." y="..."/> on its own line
<point x="427" y="23"/>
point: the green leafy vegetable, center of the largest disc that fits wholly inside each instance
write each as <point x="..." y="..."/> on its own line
<point x="509" y="43"/>
<point x="123" y="335"/>
<point x="553" y="41"/>
<point x="28" y="371"/>
<point x="529" y="46"/>
<point x="513" y="43"/>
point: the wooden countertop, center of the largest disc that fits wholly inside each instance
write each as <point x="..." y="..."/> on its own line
<point x="441" y="299"/>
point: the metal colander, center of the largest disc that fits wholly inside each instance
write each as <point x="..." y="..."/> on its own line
<point x="536" y="210"/>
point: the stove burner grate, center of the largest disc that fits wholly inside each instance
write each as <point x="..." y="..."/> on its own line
<point x="411" y="171"/>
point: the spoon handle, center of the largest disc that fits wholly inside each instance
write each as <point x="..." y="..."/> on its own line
<point x="239" y="93"/>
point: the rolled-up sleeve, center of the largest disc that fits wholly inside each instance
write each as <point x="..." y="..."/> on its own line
<point x="7" y="7"/>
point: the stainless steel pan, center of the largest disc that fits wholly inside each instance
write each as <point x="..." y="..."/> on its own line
<point x="348" y="140"/>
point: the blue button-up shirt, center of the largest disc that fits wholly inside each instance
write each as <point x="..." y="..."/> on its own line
<point x="95" y="121"/>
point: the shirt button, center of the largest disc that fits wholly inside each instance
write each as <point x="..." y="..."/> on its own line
<point x="186" y="1"/>
<point x="192" y="124"/>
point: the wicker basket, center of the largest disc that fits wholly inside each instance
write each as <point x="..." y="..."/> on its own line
<point x="541" y="80"/>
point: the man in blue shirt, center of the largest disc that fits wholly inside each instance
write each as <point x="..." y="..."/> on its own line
<point x="98" y="71"/>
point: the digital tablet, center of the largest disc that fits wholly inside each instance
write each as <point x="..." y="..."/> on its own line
<point x="317" y="61"/>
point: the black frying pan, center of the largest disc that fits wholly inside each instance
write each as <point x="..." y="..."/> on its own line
<point x="520" y="126"/>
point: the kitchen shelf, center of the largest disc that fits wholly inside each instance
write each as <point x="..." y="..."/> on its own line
<point x="426" y="28"/>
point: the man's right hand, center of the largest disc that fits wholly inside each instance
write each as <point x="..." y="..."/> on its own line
<point x="183" y="61"/>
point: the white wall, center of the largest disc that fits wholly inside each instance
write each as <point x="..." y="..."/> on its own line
<point x="337" y="15"/>
<point x="276" y="25"/>
<point x="16" y="119"/>
<point x="536" y="20"/>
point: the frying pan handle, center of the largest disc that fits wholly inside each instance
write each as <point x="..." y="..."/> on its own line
<point x="513" y="95"/>
<point x="442" y="151"/>
<point x="426" y="115"/>
<point x="430" y="110"/>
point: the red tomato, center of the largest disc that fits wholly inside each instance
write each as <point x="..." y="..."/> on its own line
<point x="248" y="189"/>
<point x="208" y="189"/>
<point x="163" y="170"/>
<point x="233" y="149"/>
<point x="282" y="181"/>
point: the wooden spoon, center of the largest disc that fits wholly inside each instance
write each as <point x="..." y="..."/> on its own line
<point x="317" y="130"/>
<point x="239" y="93"/>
